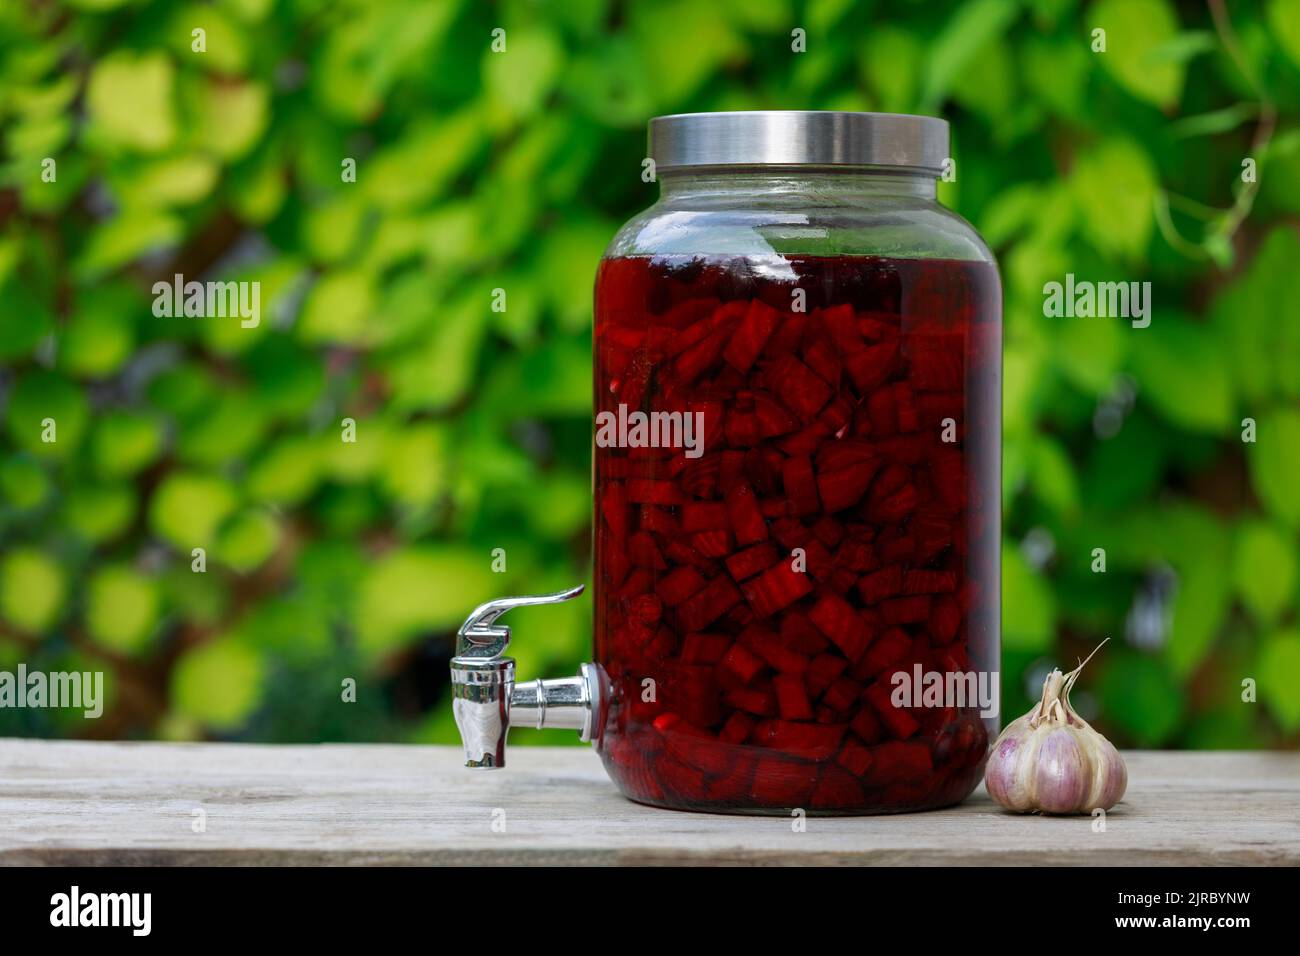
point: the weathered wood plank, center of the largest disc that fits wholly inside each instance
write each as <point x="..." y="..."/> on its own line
<point x="123" y="803"/>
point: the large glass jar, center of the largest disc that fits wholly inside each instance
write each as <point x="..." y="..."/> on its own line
<point x="797" y="388"/>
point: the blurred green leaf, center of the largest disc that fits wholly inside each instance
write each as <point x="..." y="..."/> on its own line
<point x="43" y="406"/>
<point x="1140" y="696"/>
<point x="1178" y="367"/>
<point x="1115" y="182"/>
<point x="1028" y="606"/>
<point x="218" y="684"/>
<point x="129" y="99"/>
<point x="1284" y="19"/>
<point x="122" y="608"/>
<point x="1264" y="567"/>
<point x="972" y="27"/>
<point x="32" y="590"/>
<point x="1136" y="33"/>
<point x="420" y="589"/>
<point x="1279" y="671"/>
<point x="1274" y="459"/>
<point x="247" y="541"/>
<point x="188" y="507"/>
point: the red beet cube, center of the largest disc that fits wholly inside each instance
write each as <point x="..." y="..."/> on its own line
<point x="854" y="758"/>
<point x="702" y="609"/>
<point x="737" y="728"/>
<point x="867" y="725"/>
<point x="799" y="387"/>
<point x="679" y="584"/>
<point x="879" y="585"/>
<point x="758" y="701"/>
<point x="822" y="672"/>
<point x="791" y="697"/>
<point x="704" y="648"/>
<point x="836" y="619"/>
<point x="777" y="587"/>
<point x="901" y="724"/>
<point x="751" y="335"/>
<point x="741" y="662"/>
<point x="747" y="521"/>
<point x="800" y="485"/>
<point x="747" y="563"/>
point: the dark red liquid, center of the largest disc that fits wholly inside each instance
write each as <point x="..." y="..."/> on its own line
<point x="841" y="525"/>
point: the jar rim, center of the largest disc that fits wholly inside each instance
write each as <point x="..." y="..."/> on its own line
<point x="798" y="138"/>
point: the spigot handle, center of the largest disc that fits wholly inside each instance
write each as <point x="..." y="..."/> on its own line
<point x="481" y="638"/>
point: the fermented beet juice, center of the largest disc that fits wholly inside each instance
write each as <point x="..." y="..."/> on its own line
<point x="796" y="485"/>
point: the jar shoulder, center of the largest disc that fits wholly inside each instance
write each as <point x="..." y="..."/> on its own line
<point x="899" y="228"/>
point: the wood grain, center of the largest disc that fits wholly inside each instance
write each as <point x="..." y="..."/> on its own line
<point x="125" y="803"/>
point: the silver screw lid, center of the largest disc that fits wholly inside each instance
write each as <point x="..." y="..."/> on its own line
<point x="798" y="138"/>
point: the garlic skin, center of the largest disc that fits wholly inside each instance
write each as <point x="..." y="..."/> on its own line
<point x="1051" y="761"/>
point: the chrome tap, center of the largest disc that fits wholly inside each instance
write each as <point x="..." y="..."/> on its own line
<point x="486" y="701"/>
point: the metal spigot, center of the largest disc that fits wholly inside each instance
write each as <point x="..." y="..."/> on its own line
<point x="486" y="700"/>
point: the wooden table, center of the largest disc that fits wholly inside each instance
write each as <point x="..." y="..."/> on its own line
<point x="147" y="803"/>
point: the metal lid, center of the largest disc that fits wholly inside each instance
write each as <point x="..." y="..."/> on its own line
<point x="798" y="137"/>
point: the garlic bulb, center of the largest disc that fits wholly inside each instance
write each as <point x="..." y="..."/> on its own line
<point x="1051" y="761"/>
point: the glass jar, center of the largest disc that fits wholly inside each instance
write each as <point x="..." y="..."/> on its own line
<point x="797" y="528"/>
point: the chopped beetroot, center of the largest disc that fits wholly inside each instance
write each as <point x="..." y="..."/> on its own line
<point x="825" y="361"/>
<point x="704" y="608"/>
<point x="821" y="431"/>
<point x="901" y="724"/>
<point x="743" y="663"/>
<point x="945" y="619"/>
<point x="887" y="650"/>
<point x="828" y="531"/>
<point x="841" y="695"/>
<point x="879" y="585"/>
<point x="906" y="610"/>
<point x="836" y="788"/>
<point x="747" y="563"/>
<point x="842" y="324"/>
<point x="773" y="651"/>
<point x="837" y="619"/>
<point x="644" y="552"/>
<point x="929" y="582"/>
<point x="843" y="488"/>
<point x="822" y="672"/>
<point x="713" y="544"/>
<point x="747" y="521"/>
<point x="648" y="491"/>
<point x="776" y="588"/>
<point x="773" y="418"/>
<point x="750" y="336"/>
<point x="679" y="584"/>
<point x="870" y="368"/>
<point x="800" y="486"/>
<point x="753" y="700"/>
<point x="867" y="725"/>
<point x="704" y="516"/>
<point x="737" y="728"/>
<point x="854" y="758"/>
<point x="813" y="740"/>
<point x="704" y="648"/>
<point x="799" y="387"/>
<point x="800" y="635"/>
<point x="791" y="697"/>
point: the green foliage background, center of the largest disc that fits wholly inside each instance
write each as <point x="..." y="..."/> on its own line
<point x="479" y="170"/>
